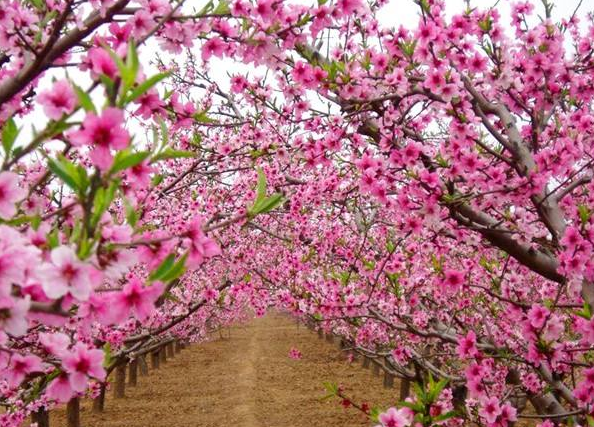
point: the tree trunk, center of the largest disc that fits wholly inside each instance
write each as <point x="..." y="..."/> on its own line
<point x="376" y="368"/>
<point x="99" y="402"/>
<point x="142" y="365"/>
<point x="170" y="352"/>
<point x="177" y="347"/>
<point x="73" y="413"/>
<point x="404" y="388"/>
<point x="41" y="417"/>
<point x="155" y="361"/>
<point x="366" y="362"/>
<point x="119" y="390"/>
<point x="320" y="334"/>
<point x="133" y="373"/>
<point x="388" y="380"/>
<point x="163" y="354"/>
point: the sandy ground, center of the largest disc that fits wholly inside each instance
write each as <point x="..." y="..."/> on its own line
<point x="246" y="380"/>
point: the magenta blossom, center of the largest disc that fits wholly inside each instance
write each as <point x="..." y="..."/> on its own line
<point x="201" y="246"/>
<point x="136" y="298"/>
<point x="104" y="133"/>
<point x="81" y="363"/>
<point x="20" y="366"/>
<point x="59" y="100"/>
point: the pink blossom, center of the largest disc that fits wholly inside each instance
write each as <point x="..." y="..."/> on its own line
<point x="60" y="389"/>
<point x="214" y="46"/>
<point x="59" y="100"/>
<point x="201" y="246"/>
<point x="490" y="409"/>
<point x="66" y="274"/>
<point x="80" y="363"/>
<point x="13" y="315"/>
<point x="136" y="299"/>
<point x="102" y="63"/>
<point x="537" y="315"/>
<point x="20" y="366"/>
<point x="453" y="279"/>
<point x="11" y="193"/>
<point x="103" y="133"/>
<point x="467" y="345"/>
<point x="394" y="418"/>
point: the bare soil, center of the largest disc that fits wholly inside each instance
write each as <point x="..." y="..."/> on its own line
<point x="245" y="379"/>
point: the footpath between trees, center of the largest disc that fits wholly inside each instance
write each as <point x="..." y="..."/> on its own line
<point x="245" y="379"/>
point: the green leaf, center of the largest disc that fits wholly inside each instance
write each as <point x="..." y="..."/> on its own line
<point x="177" y="270"/>
<point x="170" y="153"/>
<point x="73" y="176"/>
<point x="163" y="268"/>
<point x="9" y="135"/>
<point x="586" y="312"/>
<point x="126" y="159"/>
<point x="145" y="86"/>
<point x="202" y="117"/>
<point x="102" y="201"/>
<point x="107" y="355"/>
<point x="267" y="205"/>
<point x="222" y="8"/>
<point x="131" y="213"/>
<point x="84" y="99"/>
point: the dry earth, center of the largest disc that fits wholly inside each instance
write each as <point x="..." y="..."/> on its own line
<point x="246" y="380"/>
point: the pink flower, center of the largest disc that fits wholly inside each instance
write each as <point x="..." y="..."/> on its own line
<point x="136" y="298"/>
<point x="490" y="409"/>
<point x="537" y="316"/>
<point x="55" y="343"/>
<point x="66" y="274"/>
<point x="393" y="418"/>
<point x="215" y="46"/>
<point x="80" y="363"/>
<point x="453" y="279"/>
<point x="102" y="63"/>
<point x="13" y="315"/>
<point x="10" y="194"/>
<point x="59" y="100"/>
<point x="139" y="176"/>
<point x="21" y="366"/>
<point x="295" y="354"/>
<point x="104" y="132"/>
<point x="201" y="246"/>
<point x="59" y="389"/>
<point x="467" y="345"/>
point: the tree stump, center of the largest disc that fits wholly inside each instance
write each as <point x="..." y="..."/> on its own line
<point x="99" y="402"/>
<point x="119" y="391"/>
<point x="73" y="413"/>
<point x="133" y="373"/>
<point x="41" y="417"/>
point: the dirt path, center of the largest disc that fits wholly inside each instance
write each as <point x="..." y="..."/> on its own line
<point x="246" y="380"/>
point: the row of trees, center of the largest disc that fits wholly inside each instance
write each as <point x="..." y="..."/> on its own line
<point x="422" y="191"/>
